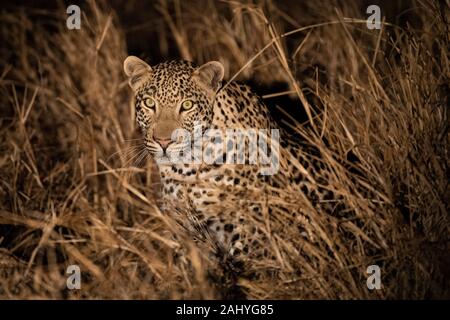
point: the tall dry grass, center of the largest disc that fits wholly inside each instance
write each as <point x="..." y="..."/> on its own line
<point x="75" y="189"/>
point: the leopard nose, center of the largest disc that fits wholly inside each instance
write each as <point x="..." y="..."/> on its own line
<point x="164" y="143"/>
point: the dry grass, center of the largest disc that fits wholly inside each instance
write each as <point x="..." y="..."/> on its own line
<point x="74" y="191"/>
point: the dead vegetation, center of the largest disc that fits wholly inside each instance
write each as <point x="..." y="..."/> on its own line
<point x="75" y="190"/>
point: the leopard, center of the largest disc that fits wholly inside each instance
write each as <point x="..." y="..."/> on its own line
<point x="179" y="94"/>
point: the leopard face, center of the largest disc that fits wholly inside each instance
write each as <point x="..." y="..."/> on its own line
<point x="170" y="96"/>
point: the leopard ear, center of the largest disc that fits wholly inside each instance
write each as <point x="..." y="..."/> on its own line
<point x="137" y="71"/>
<point x="210" y="75"/>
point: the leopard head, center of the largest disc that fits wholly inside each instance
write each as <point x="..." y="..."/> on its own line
<point x="172" y="95"/>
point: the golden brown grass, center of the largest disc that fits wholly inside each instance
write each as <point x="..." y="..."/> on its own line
<point x="74" y="189"/>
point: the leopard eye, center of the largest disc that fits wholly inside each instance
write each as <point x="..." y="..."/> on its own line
<point x="149" y="103"/>
<point x="187" y="105"/>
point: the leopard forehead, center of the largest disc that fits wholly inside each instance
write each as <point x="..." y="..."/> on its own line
<point x="171" y="83"/>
